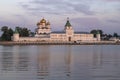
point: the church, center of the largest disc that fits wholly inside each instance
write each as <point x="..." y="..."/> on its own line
<point x="43" y="33"/>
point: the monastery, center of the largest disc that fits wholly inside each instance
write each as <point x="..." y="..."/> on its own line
<point x="43" y="33"/>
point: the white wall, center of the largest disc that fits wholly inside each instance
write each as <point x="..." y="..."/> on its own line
<point x="33" y="39"/>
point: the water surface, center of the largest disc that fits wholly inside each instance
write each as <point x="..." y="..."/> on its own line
<point x="60" y="62"/>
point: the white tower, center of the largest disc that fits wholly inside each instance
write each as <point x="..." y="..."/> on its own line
<point x="16" y="36"/>
<point x="98" y="36"/>
<point x="69" y="30"/>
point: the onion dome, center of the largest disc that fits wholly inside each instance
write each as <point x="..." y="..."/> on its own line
<point x="43" y="21"/>
<point x="68" y="23"/>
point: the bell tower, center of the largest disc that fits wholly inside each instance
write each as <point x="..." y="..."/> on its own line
<point x="69" y="30"/>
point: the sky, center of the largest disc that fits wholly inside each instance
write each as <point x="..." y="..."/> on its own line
<point x="84" y="15"/>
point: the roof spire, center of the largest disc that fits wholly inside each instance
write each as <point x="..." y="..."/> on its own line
<point x="16" y="31"/>
<point x="67" y="18"/>
<point x="68" y="23"/>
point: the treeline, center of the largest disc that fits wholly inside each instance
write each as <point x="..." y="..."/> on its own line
<point x="7" y="33"/>
<point x="103" y="35"/>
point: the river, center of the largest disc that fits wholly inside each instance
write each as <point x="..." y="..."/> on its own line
<point x="60" y="62"/>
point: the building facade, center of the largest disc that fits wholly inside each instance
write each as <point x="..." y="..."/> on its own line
<point x="44" y="33"/>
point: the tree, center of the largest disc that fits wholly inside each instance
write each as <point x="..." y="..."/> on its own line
<point x="115" y="35"/>
<point x="101" y="32"/>
<point x="109" y="36"/>
<point x="24" y="32"/>
<point x="93" y="32"/>
<point x="32" y="34"/>
<point x="96" y="31"/>
<point x="7" y="33"/>
<point x="4" y="28"/>
<point x="10" y="32"/>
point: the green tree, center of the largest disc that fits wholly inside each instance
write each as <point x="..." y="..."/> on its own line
<point x="101" y="32"/>
<point x="7" y="33"/>
<point x="32" y="34"/>
<point x="11" y="32"/>
<point x="96" y="31"/>
<point x="115" y="35"/>
<point x="4" y="29"/>
<point x="24" y="32"/>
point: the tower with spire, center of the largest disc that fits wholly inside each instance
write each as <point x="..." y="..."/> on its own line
<point x="69" y="30"/>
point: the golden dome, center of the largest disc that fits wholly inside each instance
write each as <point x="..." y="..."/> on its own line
<point x="43" y="21"/>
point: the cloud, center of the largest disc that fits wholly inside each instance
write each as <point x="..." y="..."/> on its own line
<point x="112" y="0"/>
<point x="113" y="21"/>
<point x="84" y="14"/>
<point x="57" y="7"/>
<point x="87" y="21"/>
<point x="84" y="9"/>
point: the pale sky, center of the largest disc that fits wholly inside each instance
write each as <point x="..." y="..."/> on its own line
<point x="84" y="15"/>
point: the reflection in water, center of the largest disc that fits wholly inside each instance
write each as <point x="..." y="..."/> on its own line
<point x="82" y="62"/>
<point x="97" y="56"/>
<point x="68" y="60"/>
<point x="22" y="61"/>
<point x="12" y="61"/>
<point x="7" y="61"/>
<point x="104" y="60"/>
<point x="43" y="62"/>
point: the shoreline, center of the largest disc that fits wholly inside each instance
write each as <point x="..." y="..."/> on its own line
<point x="60" y="43"/>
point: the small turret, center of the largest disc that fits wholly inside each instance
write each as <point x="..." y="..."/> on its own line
<point x="98" y="36"/>
<point x="16" y="35"/>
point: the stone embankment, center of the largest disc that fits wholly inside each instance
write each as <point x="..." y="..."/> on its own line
<point x="61" y="43"/>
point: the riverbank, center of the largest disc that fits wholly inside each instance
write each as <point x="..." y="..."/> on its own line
<point x="60" y="43"/>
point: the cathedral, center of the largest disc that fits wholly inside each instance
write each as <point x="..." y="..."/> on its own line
<point x="43" y="33"/>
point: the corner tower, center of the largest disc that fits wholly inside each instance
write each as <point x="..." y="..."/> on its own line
<point x="16" y="35"/>
<point x="98" y="36"/>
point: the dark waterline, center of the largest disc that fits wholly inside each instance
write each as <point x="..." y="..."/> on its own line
<point x="60" y="62"/>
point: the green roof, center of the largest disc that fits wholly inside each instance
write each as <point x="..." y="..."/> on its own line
<point x="68" y="23"/>
<point x="16" y="31"/>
